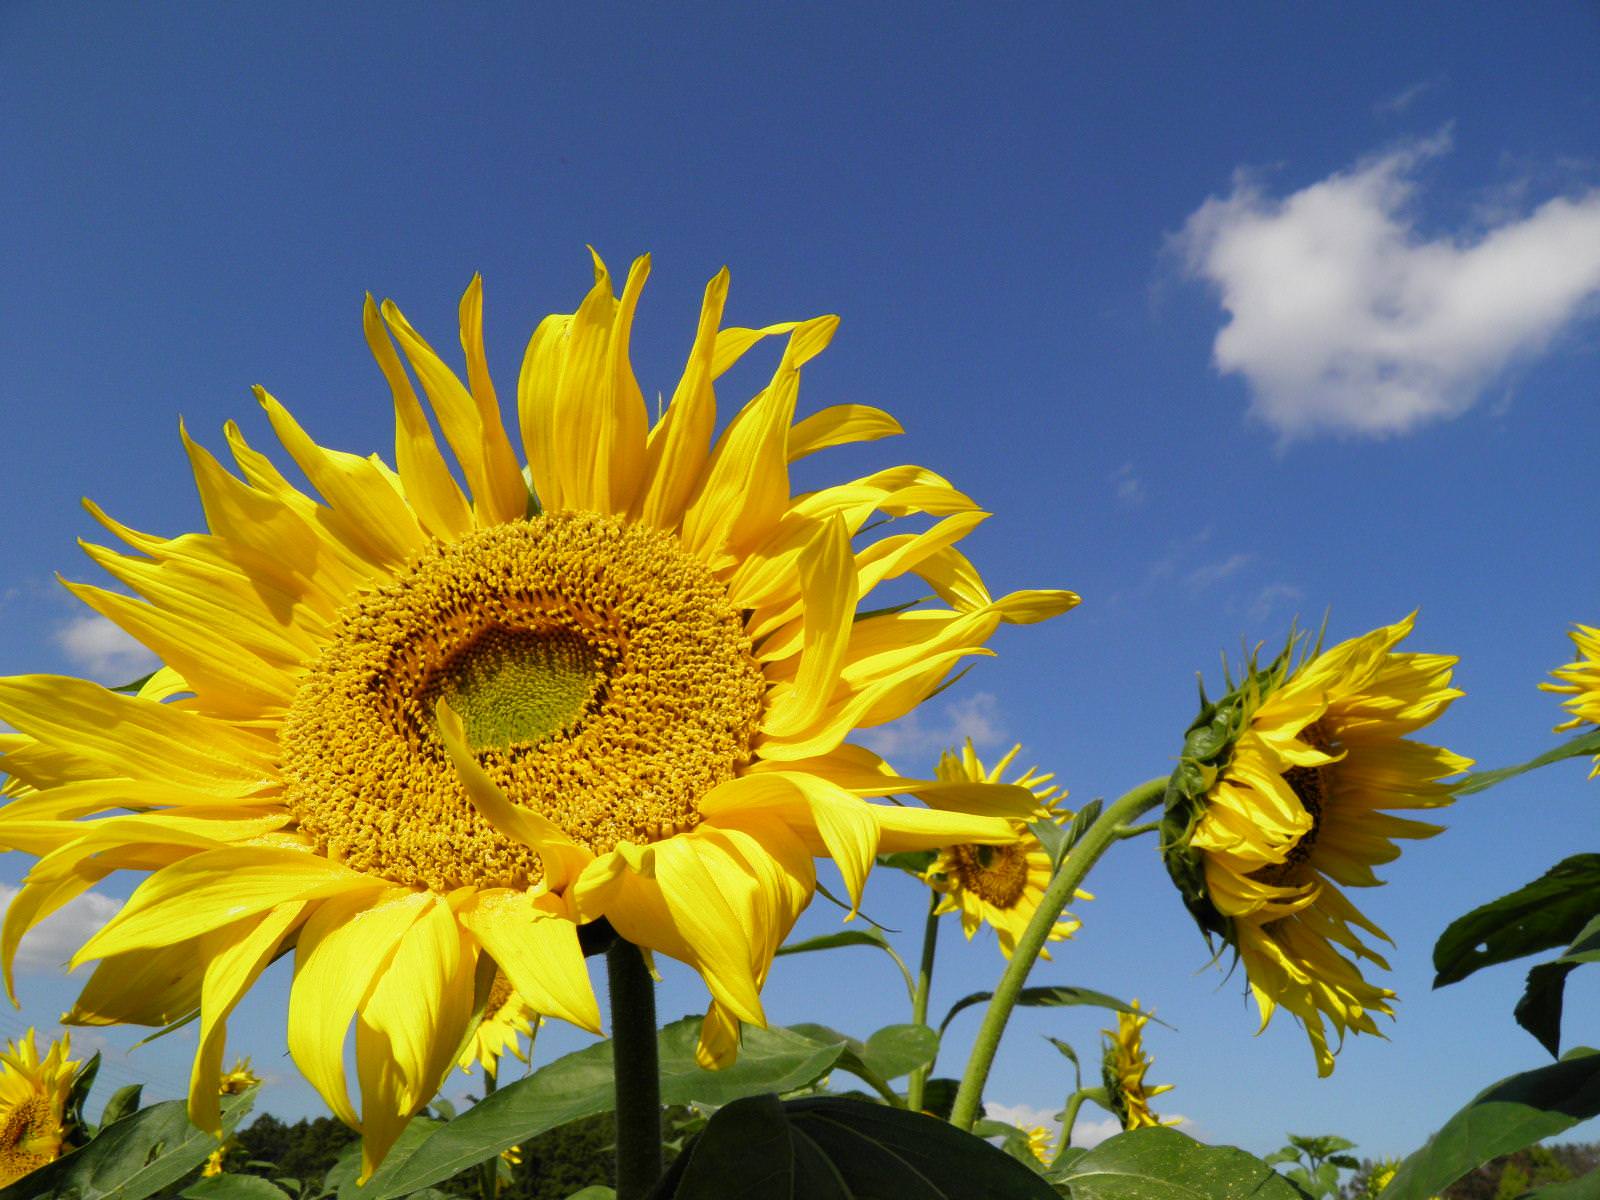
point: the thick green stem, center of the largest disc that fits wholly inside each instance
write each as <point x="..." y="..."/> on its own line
<point x="1095" y="841"/>
<point x="636" y="1070"/>
<point x="489" y="1172"/>
<point x="919" y="999"/>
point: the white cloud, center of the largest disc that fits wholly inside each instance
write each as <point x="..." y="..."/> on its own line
<point x="1394" y="105"/>
<point x="1343" y="317"/>
<point x="1211" y="573"/>
<point x="1129" y="487"/>
<point x="103" y="651"/>
<point x="1087" y="1130"/>
<point x="56" y="939"/>
<point x="1269" y="598"/>
<point x="921" y="734"/>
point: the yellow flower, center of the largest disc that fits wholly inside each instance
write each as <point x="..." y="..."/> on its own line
<point x="1122" y="1071"/>
<point x="1581" y="681"/>
<point x="1040" y="1143"/>
<point x="416" y="733"/>
<point x="33" y="1100"/>
<point x="1000" y="884"/>
<point x="506" y="1018"/>
<point x="240" y="1079"/>
<point x="1277" y="804"/>
<point x="213" y="1163"/>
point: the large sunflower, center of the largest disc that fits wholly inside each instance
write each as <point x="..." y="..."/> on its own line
<point x="33" y="1100"/>
<point x="1580" y="682"/>
<point x="415" y="732"/>
<point x="1290" y="776"/>
<point x="999" y="884"/>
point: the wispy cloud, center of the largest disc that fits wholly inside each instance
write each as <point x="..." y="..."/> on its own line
<point x="922" y="735"/>
<point x="1344" y="318"/>
<point x="1272" y="597"/>
<point x="102" y="651"/>
<point x="55" y="939"/>
<point x="1212" y="573"/>
<point x="1394" y="105"/>
<point x="1128" y="486"/>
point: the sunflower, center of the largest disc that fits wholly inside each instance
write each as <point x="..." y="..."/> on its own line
<point x="506" y="1019"/>
<point x="417" y="733"/>
<point x="1580" y="681"/>
<point x="1001" y="884"/>
<point x="1277" y="804"/>
<point x="33" y="1101"/>
<point x="240" y="1079"/>
<point x="1122" y="1069"/>
<point x="1040" y="1143"/>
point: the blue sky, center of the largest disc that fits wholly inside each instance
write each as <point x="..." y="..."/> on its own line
<point x="1228" y="315"/>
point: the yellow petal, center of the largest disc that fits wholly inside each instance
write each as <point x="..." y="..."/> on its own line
<point x="828" y="588"/>
<point x="539" y="952"/>
<point x="838" y="426"/>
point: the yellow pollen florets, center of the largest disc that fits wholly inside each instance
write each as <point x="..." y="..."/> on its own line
<point x="602" y="675"/>
<point x="30" y="1137"/>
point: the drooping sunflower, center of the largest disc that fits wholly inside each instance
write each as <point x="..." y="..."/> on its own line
<point x="1580" y="681"/>
<point x="417" y="733"/>
<point x="33" y="1101"/>
<point x="507" y="1018"/>
<point x="1000" y="884"/>
<point x="1041" y="1142"/>
<point x="1278" y="804"/>
<point x="1122" y="1068"/>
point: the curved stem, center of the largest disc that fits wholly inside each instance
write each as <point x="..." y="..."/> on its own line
<point x="1068" y="1120"/>
<point x="919" y="998"/>
<point x="636" y="1070"/>
<point x="1095" y="841"/>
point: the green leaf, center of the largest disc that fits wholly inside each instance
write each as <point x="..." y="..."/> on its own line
<point x="1549" y="912"/>
<point x="897" y="1050"/>
<point x="829" y="1148"/>
<point x="234" y="1187"/>
<point x="133" y="688"/>
<point x="1163" y="1164"/>
<point x="913" y="861"/>
<point x="939" y="1096"/>
<point x="832" y="941"/>
<point x="1071" y="1056"/>
<point x="124" y="1102"/>
<point x="1477" y="781"/>
<point x="1585" y="1187"/>
<point x="1539" y="1010"/>
<point x="1515" y="1112"/>
<point x="132" y="1159"/>
<point x="595" y="1191"/>
<point x="580" y="1085"/>
<point x="1048" y="997"/>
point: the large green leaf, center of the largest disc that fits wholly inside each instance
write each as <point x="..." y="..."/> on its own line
<point x="1549" y="912"/>
<point x="580" y="1085"/>
<point x="1539" y="1010"/>
<point x="234" y="1187"/>
<point x="830" y="1148"/>
<point x="1516" y="1112"/>
<point x="1585" y="1187"/>
<point x="1584" y="743"/>
<point x="1047" y="997"/>
<point x="897" y="1050"/>
<point x="1163" y="1164"/>
<point x="133" y="1158"/>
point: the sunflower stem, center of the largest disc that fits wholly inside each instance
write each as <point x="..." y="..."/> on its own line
<point x="636" y="1070"/>
<point x="489" y="1172"/>
<point x="1097" y="839"/>
<point x="919" y="999"/>
<point x="1069" y="1118"/>
<point x="1133" y="831"/>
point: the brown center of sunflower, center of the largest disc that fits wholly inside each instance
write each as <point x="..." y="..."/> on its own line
<point x="499" y="992"/>
<point x="996" y="874"/>
<point x="1310" y="786"/>
<point x="29" y="1138"/>
<point x="602" y="675"/>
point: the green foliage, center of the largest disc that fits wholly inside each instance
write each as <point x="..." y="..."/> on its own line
<point x="1163" y="1164"/>
<point x="829" y="1148"/>
<point x="1318" y="1161"/>
<point x="1582" y="745"/>
<point x="1510" y="1115"/>
<point x="1047" y="997"/>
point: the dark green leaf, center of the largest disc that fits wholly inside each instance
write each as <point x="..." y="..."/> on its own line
<point x="913" y="861"/>
<point x="831" y="941"/>
<point x="828" y="1148"/>
<point x="580" y="1085"/>
<point x="1163" y="1164"/>
<point x="234" y="1187"/>
<point x="1346" y="1161"/>
<point x="1539" y="1010"/>
<point x="939" y="1096"/>
<point x="132" y="688"/>
<point x="131" y="1159"/>
<point x="1516" y="1112"/>
<point x="1549" y="912"/>
<point x="1047" y="997"/>
<point x="341" y="1177"/>
<point x="1584" y="743"/>
<point x="897" y="1050"/>
<point x="1585" y="1187"/>
<point x="124" y="1102"/>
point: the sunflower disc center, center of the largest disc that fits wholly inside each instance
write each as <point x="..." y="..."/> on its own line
<point x="996" y="874"/>
<point x="604" y="679"/>
<point x="520" y="686"/>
